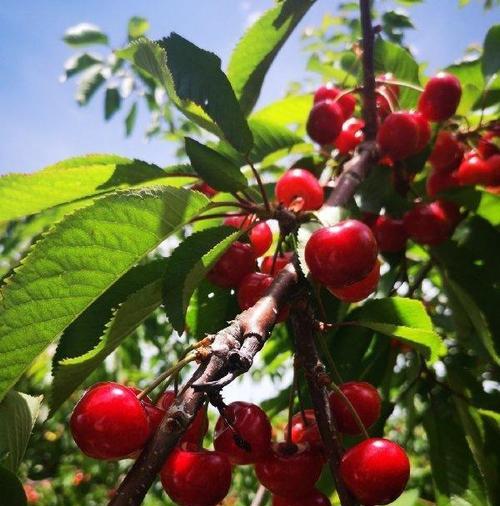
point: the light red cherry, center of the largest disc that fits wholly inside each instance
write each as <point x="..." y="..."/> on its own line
<point x="440" y="98"/>
<point x="447" y="152"/>
<point x="364" y="399"/>
<point x="236" y="262"/>
<point x="390" y="234"/>
<point x="260" y="235"/>
<point x="280" y="262"/>
<point x="398" y="135"/>
<point x="305" y="430"/>
<point x="359" y="290"/>
<point x="438" y="182"/>
<point x="248" y="423"/>
<point x="299" y="184"/>
<point x="474" y="170"/>
<point x="289" y="472"/>
<point x="315" y="498"/>
<point x="375" y="471"/>
<point x="109" y="422"/>
<point x="196" y="477"/>
<point x="350" y="136"/>
<point x="341" y="254"/>
<point x="346" y="102"/>
<point x="325" y="122"/>
<point x="205" y="189"/>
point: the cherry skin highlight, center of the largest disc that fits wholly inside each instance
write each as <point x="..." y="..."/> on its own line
<point x="237" y="261"/>
<point x="342" y="254"/>
<point x="299" y="183"/>
<point x="375" y="471"/>
<point x="347" y="102"/>
<point x="193" y="477"/>
<point x="398" y="136"/>
<point x="315" y="498"/>
<point x="359" y="290"/>
<point x="447" y="152"/>
<point x="390" y="234"/>
<point x="305" y="430"/>
<point x="252" y="425"/>
<point x="281" y="261"/>
<point x="109" y="422"/>
<point x="325" y="122"/>
<point x="440" y="98"/>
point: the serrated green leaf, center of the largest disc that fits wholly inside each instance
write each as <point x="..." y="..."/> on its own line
<point x="90" y="81"/>
<point x="84" y="34"/>
<point x="75" y="178"/>
<point x="257" y="49"/>
<point x="491" y="54"/>
<point x="137" y="27"/>
<point x="18" y="413"/>
<point x="112" y="101"/>
<point x="291" y="110"/>
<point x="217" y="170"/>
<point x="79" y="259"/>
<point x="187" y="267"/>
<point x="11" y="488"/>
<point x="80" y="62"/>
<point x="130" y="119"/>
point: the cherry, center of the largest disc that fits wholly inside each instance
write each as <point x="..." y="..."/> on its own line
<point x="438" y="182"/>
<point x="440" y="97"/>
<point x="350" y="135"/>
<point x="281" y="261"/>
<point x="375" y="471"/>
<point x="251" y="425"/>
<point x="360" y="289"/>
<point x="305" y="429"/>
<point x="289" y="470"/>
<point x="325" y="122"/>
<point x="487" y="146"/>
<point x="260" y="235"/>
<point x="341" y="254"/>
<point x="199" y="426"/>
<point x="299" y="184"/>
<point x="447" y="152"/>
<point x="364" y="399"/>
<point x="474" y="170"/>
<point x="205" y="189"/>
<point x="109" y="422"/>
<point x="242" y="222"/>
<point x="424" y="131"/>
<point x="390" y="234"/>
<point x="315" y="498"/>
<point x="431" y="223"/>
<point x="398" y="136"/>
<point x="347" y="102"/>
<point x="196" y="477"/>
<point x="154" y="413"/>
<point x="237" y="261"/>
<point x="493" y="163"/>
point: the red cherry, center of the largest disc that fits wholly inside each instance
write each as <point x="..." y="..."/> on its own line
<point x="361" y="289"/>
<point x="342" y="254"/>
<point x="487" y="146"/>
<point x="398" y="136"/>
<point x="447" y="153"/>
<point x="261" y="238"/>
<point x="205" y="189"/>
<point x="237" y="261"/>
<point x="347" y="102"/>
<point x="199" y="426"/>
<point x="305" y="429"/>
<point x="390" y="234"/>
<point x="431" y="223"/>
<point x="315" y="498"/>
<point x="440" y="98"/>
<point x="251" y="425"/>
<point x="475" y="170"/>
<point x="325" y="122"/>
<point x="193" y="477"/>
<point x="281" y="261"/>
<point x="493" y="163"/>
<point x="299" y="183"/>
<point x="364" y="399"/>
<point x="287" y="472"/>
<point x="109" y="422"/>
<point x="375" y="471"/>
<point x="242" y="222"/>
<point x="424" y="131"/>
<point x="438" y="182"/>
<point x="350" y="136"/>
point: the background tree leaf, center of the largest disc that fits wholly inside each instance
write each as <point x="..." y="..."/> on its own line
<point x="112" y="102"/>
<point x="491" y="54"/>
<point x="137" y="27"/>
<point x="84" y="34"/>
<point x="11" y="488"/>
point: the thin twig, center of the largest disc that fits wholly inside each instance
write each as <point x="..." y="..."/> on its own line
<point x="261" y="186"/>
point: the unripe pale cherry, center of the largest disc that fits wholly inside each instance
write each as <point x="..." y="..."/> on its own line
<point x="299" y="184"/>
<point x="440" y="98"/>
<point x="375" y="471"/>
<point x="305" y="430"/>
<point x="196" y="477"/>
<point x="280" y="262"/>
<point x="251" y="425"/>
<point x="359" y="290"/>
<point x="109" y="422"/>
<point x="325" y="122"/>
<point x="390" y="234"/>
<point x="315" y="498"/>
<point x="350" y="136"/>
<point x="346" y="102"/>
<point x="236" y="262"/>
<point x="398" y="135"/>
<point x="342" y="254"/>
<point x="447" y="152"/>
<point x="438" y="182"/>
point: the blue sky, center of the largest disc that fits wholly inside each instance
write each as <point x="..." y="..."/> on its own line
<point x="42" y="124"/>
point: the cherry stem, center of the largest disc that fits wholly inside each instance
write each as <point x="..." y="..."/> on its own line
<point x="260" y="496"/>
<point x="329" y="358"/>
<point x="261" y="186"/>
<point x="419" y="278"/>
<point x="291" y="400"/>
<point x="216" y="215"/>
<point x="405" y="84"/>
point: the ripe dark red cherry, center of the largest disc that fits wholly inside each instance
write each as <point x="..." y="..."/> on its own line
<point x="347" y="102"/>
<point x="289" y="473"/>
<point x="350" y="136"/>
<point x="390" y="234"/>
<point x="196" y="477"/>
<point x="488" y="145"/>
<point x="424" y="131"/>
<point x="375" y="471"/>
<point x="261" y="238"/>
<point x="440" y="98"/>
<point x="299" y="184"/>
<point x="447" y="153"/>
<point x="251" y="425"/>
<point x="205" y="189"/>
<point x="364" y="399"/>
<point x="431" y="223"/>
<point x="233" y="265"/>
<point x="341" y="255"/>
<point x="438" y="182"/>
<point x="398" y="136"/>
<point x="109" y="422"/>
<point x="242" y="222"/>
<point x="325" y="122"/>
<point x="198" y="428"/>
<point x="305" y="429"/>
<point x="281" y="261"/>
<point x="315" y="498"/>
<point x="493" y="163"/>
<point x="359" y="290"/>
<point x="474" y="170"/>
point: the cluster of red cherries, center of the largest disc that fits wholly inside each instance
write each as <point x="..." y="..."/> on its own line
<point x="110" y="422"/>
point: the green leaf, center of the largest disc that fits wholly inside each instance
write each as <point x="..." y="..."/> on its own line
<point x="75" y="178"/>
<point x="187" y="267"/>
<point x="80" y="62"/>
<point x="79" y="259"/>
<point x="130" y="119"/>
<point x="112" y="102"/>
<point x="11" y="487"/>
<point x="219" y="172"/>
<point x="18" y="413"/>
<point x="292" y="110"/>
<point x="84" y="34"/>
<point x="137" y="27"/>
<point x="403" y="318"/>
<point x="90" y="82"/>
<point x="257" y="49"/>
<point x="491" y="54"/>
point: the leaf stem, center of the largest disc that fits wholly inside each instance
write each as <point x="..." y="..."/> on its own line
<point x="261" y="186"/>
